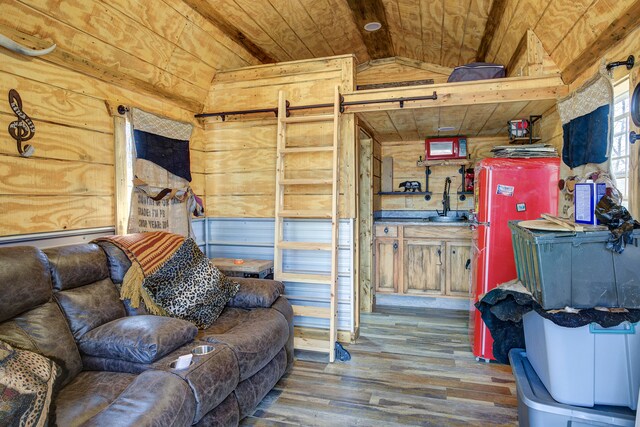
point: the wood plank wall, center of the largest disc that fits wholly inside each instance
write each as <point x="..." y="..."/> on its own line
<point x="397" y="69"/>
<point x="406" y="153"/>
<point x="69" y="182"/>
<point x="168" y="49"/>
<point x="241" y="151"/>
<point x="567" y="29"/>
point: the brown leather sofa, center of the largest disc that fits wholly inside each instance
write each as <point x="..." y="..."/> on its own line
<point x="116" y="361"/>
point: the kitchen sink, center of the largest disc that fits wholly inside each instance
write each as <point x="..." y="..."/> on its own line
<point x="439" y="218"/>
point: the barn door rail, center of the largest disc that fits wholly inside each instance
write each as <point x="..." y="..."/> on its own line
<point x="223" y="114"/>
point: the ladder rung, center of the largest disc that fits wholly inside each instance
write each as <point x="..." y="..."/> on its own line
<point x="310" y="311"/>
<point x="306" y="181"/>
<point x="311" y="344"/>
<point x="308" y="119"/>
<point x="304" y="278"/>
<point x="304" y="246"/>
<point x="306" y="298"/>
<point x="304" y="214"/>
<point x="306" y="149"/>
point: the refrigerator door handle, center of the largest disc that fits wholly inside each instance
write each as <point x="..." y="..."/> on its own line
<point x="475" y="224"/>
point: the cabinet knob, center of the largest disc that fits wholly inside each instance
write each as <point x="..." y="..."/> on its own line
<point x="386" y="230"/>
<point x="395" y="246"/>
<point x="467" y="266"/>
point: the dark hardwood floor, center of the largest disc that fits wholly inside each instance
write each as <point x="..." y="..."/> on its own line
<point x="410" y="366"/>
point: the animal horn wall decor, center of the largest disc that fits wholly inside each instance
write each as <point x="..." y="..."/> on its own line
<point x="22" y="129"/>
<point x="18" y="48"/>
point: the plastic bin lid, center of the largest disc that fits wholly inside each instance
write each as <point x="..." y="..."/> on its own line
<point x="539" y="236"/>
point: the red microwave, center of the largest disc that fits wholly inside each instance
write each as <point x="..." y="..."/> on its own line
<point x="453" y="147"/>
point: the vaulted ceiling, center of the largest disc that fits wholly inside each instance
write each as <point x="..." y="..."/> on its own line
<point x="441" y="32"/>
<point x="174" y="48"/>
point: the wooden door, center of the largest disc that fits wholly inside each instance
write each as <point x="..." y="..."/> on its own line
<point x="423" y="264"/>
<point x="386" y="261"/>
<point x="458" y="262"/>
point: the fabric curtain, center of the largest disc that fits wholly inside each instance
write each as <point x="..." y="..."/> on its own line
<point x="162" y="199"/>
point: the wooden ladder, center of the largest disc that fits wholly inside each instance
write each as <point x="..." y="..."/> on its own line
<point x="282" y="182"/>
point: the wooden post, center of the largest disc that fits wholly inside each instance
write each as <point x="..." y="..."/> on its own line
<point x="365" y="221"/>
<point x="123" y="174"/>
<point x="634" y="153"/>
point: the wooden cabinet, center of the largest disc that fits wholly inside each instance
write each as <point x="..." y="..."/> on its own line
<point x="423" y="263"/>
<point x="386" y="255"/>
<point x="423" y="260"/>
<point x="458" y="277"/>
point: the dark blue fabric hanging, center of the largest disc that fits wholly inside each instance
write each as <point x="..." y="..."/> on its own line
<point x="171" y="154"/>
<point x="586" y="138"/>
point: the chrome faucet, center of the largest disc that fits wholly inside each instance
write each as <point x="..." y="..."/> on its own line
<point x="446" y="204"/>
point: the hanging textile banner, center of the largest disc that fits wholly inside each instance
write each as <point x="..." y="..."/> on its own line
<point x="586" y="123"/>
<point x="162" y="141"/>
<point x="162" y="199"/>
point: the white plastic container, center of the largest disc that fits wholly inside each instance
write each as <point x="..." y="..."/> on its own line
<point x="588" y="365"/>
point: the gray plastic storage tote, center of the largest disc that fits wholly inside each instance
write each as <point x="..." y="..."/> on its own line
<point x="536" y="407"/>
<point x="576" y="269"/>
<point x="587" y="365"/>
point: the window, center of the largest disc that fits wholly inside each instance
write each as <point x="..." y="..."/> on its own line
<point x="620" y="148"/>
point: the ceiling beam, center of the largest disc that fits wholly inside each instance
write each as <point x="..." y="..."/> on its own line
<point x="495" y="16"/>
<point x="378" y="43"/>
<point x="207" y="10"/>
<point x="617" y="31"/>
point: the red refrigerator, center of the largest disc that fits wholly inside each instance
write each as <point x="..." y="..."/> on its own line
<point x="505" y="190"/>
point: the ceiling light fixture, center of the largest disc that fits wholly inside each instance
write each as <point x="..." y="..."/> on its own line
<point x="446" y="128"/>
<point x="372" y="26"/>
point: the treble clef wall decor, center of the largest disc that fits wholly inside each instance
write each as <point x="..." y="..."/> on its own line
<point x="22" y="129"/>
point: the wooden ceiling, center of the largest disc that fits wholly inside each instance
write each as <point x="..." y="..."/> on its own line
<point x="174" y="48"/>
<point x="441" y="32"/>
<point x="471" y="121"/>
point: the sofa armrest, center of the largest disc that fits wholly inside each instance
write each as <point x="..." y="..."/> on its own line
<point x="256" y="293"/>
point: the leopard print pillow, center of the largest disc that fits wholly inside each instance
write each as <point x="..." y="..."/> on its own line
<point x="188" y="286"/>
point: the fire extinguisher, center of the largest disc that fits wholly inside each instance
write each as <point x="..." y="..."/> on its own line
<point x="468" y="179"/>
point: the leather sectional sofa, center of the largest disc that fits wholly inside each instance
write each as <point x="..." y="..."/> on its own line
<point x="116" y="361"/>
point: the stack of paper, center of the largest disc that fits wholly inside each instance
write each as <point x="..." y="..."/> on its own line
<point x="531" y="150"/>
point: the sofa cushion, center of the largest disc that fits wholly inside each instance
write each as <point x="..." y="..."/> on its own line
<point x="89" y="393"/>
<point x="76" y="265"/>
<point x="117" y="260"/>
<point x="255" y="336"/>
<point x="26" y="386"/>
<point x="256" y="293"/>
<point x="44" y="330"/>
<point x="153" y="398"/>
<point x="90" y="306"/>
<point x="25" y="281"/>
<point x="138" y="339"/>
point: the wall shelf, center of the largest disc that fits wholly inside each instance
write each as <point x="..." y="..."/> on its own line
<point x="404" y="193"/>
<point x="457" y="162"/>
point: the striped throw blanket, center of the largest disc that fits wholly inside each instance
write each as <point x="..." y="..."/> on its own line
<point x="147" y="253"/>
<point x="172" y="276"/>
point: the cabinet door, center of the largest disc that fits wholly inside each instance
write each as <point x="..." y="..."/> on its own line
<point x="458" y="268"/>
<point x="423" y="266"/>
<point x="386" y="261"/>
